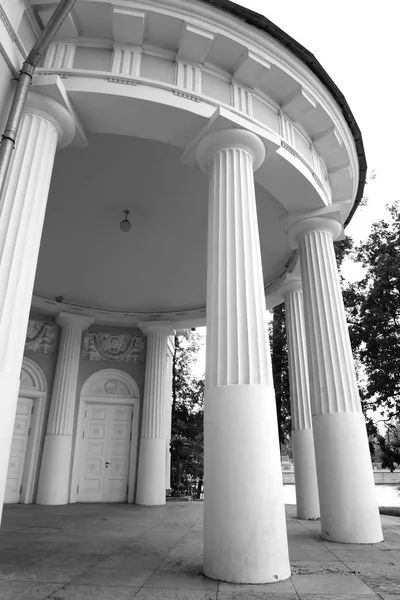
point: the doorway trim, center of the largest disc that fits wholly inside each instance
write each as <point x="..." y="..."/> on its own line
<point x="113" y="387"/>
<point x="33" y="385"/>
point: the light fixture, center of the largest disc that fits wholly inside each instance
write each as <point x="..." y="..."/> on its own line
<point x="125" y="225"/>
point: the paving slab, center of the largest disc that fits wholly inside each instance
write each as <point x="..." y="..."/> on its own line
<point x="370" y="596"/>
<point x="241" y="595"/>
<point x="113" y="576"/>
<point x="330" y="584"/>
<point x="280" y="587"/>
<point x="22" y="590"/>
<point x="318" y="568"/>
<point x="169" y="594"/>
<point x="181" y="580"/>
<point x="96" y="592"/>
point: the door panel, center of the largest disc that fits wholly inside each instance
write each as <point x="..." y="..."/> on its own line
<point x="105" y="453"/>
<point x="19" y="444"/>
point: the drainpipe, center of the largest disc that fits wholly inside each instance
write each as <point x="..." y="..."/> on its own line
<point x="24" y="82"/>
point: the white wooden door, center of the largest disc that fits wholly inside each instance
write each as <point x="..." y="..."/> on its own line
<point x="106" y="447"/>
<point x="19" y="445"/>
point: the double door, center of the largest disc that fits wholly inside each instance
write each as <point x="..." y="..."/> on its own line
<point x="105" y="453"/>
<point x="19" y="445"/>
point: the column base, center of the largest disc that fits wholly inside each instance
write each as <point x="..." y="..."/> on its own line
<point x="245" y="537"/>
<point x="349" y="507"/>
<point x="53" y="485"/>
<point x="9" y="386"/>
<point x="151" y="473"/>
<point x="307" y="501"/>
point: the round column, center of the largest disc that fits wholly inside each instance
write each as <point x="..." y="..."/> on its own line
<point x="307" y="501"/>
<point x="55" y="469"/>
<point x="152" y="455"/>
<point x="244" y="518"/>
<point x="168" y="409"/>
<point x="348" y="503"/>
<point x="45" y="125"/>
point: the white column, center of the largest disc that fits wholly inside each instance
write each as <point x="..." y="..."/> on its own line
<point x="348" y="503"/>
<point x="168" y="409"/>
<point x="244" y="520"/>
<point x="44" y="126"/>
<point x="55" y="469"/>
<point x="307" y="501"/>
<point x="151" y="472"/>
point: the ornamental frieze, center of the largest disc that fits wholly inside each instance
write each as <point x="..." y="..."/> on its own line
<point x="41" y="337"/>
<point x="116" y="348"/>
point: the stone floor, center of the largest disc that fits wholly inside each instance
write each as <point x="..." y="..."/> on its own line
<point x="120" y="552"/>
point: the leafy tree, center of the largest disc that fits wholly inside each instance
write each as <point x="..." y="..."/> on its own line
<point x="373" y="307"/>
<point x="187" y="410"/>
<point x="280" y="372"/>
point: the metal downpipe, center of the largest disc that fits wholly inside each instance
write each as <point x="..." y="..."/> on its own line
<point x="24" y="81"/>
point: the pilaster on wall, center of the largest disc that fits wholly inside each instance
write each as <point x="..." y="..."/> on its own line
<point x="188" y="77"/>
<point x="126" y="60"/>
<point x="60" y="55"/>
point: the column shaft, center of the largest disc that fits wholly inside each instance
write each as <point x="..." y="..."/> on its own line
<point x="244" y="520"/>
<point x="54" y="477"/>
<point x="168" y="410"/>
<point x="22" y="211"/>
<point x="302" y="436"/>
<point x="349" y="511"/>
<point x="152" y="457"/>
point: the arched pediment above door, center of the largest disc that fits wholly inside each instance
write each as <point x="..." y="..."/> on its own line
<point x="109" y="383"/>
<point x="32" y="377"/>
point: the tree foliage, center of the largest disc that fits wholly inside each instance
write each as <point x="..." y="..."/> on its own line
<point x="187" y="408"/>
<point x="373" y="309"/>
<point x="374" y="314"/>
<point x="280" y="372"/>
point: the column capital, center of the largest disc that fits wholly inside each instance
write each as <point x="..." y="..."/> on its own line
<point x="81" y="322"/>
<point x="150" y="328"/>
<point x="50" y="109"/>
<point x="218" y="141"/>
<point x="289" y="284"/>
<point x="327" y="219"/>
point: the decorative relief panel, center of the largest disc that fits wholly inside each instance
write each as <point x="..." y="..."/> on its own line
<point x="41" y="337"/>
<point x="111" y="387"/>
<point x="105" y="347"/>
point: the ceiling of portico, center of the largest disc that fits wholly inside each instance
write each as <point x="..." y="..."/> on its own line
<point x="160" y="265"/>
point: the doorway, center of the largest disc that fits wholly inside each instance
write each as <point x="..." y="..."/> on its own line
<point x="27" y="432"/>
<point x="105" y="456"/>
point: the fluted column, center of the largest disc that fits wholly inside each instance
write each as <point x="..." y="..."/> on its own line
<point x="244" y="521"/>
<point x="152" y="454"/>
<point x="307" y="501"/>
<point x="168" y="408"/>
<point x="348" y="503"/>
<point x="55" y="469"/>
<point x="45" y="126"/>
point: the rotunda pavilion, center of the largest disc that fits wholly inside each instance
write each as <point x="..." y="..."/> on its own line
<point x="239" y="162"/>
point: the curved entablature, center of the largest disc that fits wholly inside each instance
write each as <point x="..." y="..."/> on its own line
<point x="168" y="72"/>
<point x="205" y="56"/>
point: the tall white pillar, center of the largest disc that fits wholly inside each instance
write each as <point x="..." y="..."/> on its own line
<point x="45" y="126"/>
<point x="152" y="453"/>
<point x="307" y="501"/>
<point x="244" y="520"/>
<point x="348" y="503"/>
<point x="168" y="408"/>
<point x="55" y="469"/>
